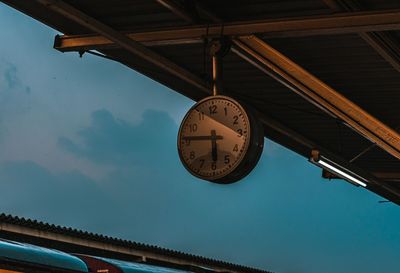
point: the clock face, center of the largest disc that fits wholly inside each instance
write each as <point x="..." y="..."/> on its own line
<point x="214" y="137"/>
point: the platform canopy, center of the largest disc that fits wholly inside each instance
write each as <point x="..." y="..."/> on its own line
<point x="322" y="74"/>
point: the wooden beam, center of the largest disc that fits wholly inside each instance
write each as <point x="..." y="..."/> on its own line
<point x="383" y="43"/>
<point x="305" y="26"/>
<point x="124" y="42"/>
<point x="317" y="92"/>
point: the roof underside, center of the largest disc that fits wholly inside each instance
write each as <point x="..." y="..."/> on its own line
<point x="347" y="62"/>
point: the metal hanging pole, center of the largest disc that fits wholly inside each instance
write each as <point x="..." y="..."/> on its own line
<point x="218" y="49"/>
<point x="215" y="51"/>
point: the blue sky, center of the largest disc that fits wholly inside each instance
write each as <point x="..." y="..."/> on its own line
<point x="88" y="143"/>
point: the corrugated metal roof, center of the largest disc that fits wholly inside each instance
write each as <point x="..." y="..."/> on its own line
<point x="51" y="231"/>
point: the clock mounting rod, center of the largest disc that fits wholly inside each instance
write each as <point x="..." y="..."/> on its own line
<point x="218" y="49"/>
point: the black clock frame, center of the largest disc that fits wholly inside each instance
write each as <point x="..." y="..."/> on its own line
<point x="254" y="148"/>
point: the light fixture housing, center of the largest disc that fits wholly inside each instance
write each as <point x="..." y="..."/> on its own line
<point x="337" y="169"/>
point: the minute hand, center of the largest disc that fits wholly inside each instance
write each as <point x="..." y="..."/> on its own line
<point x="202" y="137"/>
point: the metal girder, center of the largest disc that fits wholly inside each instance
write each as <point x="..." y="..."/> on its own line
<point x="320" y="94"/>
<point x="91" y="23"/>
<point x="271" y="123"/>
<point x="354" y="22"/>
<point x="124" y="42"/>
<point x="383" y="43"/>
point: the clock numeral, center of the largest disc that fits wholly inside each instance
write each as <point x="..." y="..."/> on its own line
<point x="193" y="127"/>
<point x="201" y="163"/>
<point x="201" y="115"/>
<point x="213" y="109"/>
<point x="187" y="142"/>
<point x="236" y="148"/>
<point x="226" y="111"/>
<point x="227" y="159"/>
<point x="192" y="155"/>
<point x="240" y="132"/>
<point x="213" y="165"/>
<point x="235" y="120"/>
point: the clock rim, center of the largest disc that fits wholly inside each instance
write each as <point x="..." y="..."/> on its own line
<point x="239" y="162"/>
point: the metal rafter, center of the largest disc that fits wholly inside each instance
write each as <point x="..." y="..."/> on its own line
<point x="271" y="123"/>
<point x="312" y="89"/>
<point x="383" y="43"/>
<point x="123" y="41"/>
<point x="317" y="92"/>
<point x="354" y="22"/>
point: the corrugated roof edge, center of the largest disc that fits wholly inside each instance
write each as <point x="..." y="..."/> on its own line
<point x="76" y="233"/>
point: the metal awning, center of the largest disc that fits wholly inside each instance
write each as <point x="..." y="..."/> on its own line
<point x="322" y="74"/>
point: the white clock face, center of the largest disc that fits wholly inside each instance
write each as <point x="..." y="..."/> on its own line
<point x="214" y="137"/>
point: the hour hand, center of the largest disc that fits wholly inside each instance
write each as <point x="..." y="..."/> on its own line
<point x="214" y="145"/>
<point x="214" y="151"/>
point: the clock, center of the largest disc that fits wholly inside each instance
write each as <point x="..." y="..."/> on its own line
<point x="219" y="140"/>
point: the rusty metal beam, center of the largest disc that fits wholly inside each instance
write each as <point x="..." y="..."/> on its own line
<point x="383" y="43"/>
<point x="124" y="42"/>
<point x="317" y="92"/>
<point x="284" y="130"/>
<point x="354" y="22"/>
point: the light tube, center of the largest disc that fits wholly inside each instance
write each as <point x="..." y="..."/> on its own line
<point x="341" y="173"/>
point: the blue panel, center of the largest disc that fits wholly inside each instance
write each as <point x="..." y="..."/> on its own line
<point x="39" y="255"/>
<point x="130" y="267"/>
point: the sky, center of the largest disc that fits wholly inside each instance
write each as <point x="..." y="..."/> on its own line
<point x="91" y="144"/>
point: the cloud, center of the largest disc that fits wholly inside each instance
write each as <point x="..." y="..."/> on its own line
<point x="14" y="95"/>
<point x="10" y="80"/>
<point x="10" y="76"/>
<point x="117" y="142"/>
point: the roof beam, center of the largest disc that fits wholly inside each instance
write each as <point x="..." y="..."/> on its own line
<point x="124" y="42"/>
<point x="91" y="23"/>
<point x="320" y="94"/>
<point x="354" y="22"/>
<point x="383" y="43"/>
<point x="271" y="123"/>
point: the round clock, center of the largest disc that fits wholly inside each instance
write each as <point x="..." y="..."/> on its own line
<point x="219" y="140"/>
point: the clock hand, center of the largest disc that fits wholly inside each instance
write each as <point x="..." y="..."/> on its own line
<point x="202" y="137"/>
<point x="214" y="152"/>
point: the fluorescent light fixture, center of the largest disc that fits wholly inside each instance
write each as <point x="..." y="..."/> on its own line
<point x="337" y="169"/>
